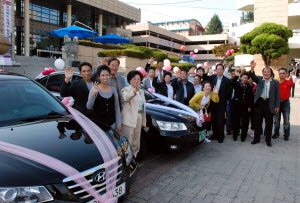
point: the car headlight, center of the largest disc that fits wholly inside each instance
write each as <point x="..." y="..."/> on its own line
<point x="171" y="126"/>
<point x="25" y="194"/>
<point x="128" y="152"/>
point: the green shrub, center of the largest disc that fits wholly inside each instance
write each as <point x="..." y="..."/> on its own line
<point x="158" y="55"/>
<point x="174" y="59"/>
<point x="110" y="53"/>
<point x="133" y="53"/>
<point x="98" y="45"/>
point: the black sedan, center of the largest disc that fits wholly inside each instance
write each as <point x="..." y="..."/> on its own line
<point x="33" y="118"/>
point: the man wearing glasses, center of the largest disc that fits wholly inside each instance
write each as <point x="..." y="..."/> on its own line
<point x="285" y="89"/>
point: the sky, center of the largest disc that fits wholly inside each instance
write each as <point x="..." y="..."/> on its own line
<point x="201" y="10"/>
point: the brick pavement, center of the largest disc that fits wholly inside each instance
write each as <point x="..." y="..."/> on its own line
<point x="229" y="172"/>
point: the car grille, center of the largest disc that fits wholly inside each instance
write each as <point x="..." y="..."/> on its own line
<point x="88" y="174"/>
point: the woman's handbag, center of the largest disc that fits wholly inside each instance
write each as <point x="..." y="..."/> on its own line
<point x="206" y="116"/>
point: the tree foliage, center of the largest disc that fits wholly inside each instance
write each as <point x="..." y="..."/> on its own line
<point x="269" y="39"/>
<point x="220" y="51"/>
<point x="214" y="26"/>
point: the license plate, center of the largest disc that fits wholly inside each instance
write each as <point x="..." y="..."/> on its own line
<point x="119" y="191"/>
<point x="202" y="135"/>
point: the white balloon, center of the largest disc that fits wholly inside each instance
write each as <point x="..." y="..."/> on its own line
<point x="196" y="51"/>
<point x="167" y="62"/>
<point x="59" y="64"/>
<point x="213" y="68"/>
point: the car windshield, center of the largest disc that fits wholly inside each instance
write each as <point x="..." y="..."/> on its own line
<point x="23" y="100"/>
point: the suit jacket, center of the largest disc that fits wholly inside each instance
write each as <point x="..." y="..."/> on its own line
<point x="146" y="83"/>
<point x="80" y="93"/>
<point x="179" y="90"/>
<point x="224" y="90"/>
<point x="274" y="94"/>
<point x="161" y="88"/>
<point x="242" y="94"/>
<point x="130" y="105"/>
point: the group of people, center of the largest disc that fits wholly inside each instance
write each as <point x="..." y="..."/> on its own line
<point x="232" y="96"/>
<point x="109" y="99"/>
<point x="114" y="101"/>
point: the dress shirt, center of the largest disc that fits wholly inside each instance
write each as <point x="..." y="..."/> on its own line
<point x="266" y="91"/>
<point x="114" y="83"/>
<point x="205" y="100"/>
<point x="197" y="88"/>
<point x="170" y="91"/>
<point x="219" y="80"/>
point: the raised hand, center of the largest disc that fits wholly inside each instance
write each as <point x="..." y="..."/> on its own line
<point x="96" y="88"/>
<point x="151" y="60"/>
<point x="192" y="71"/>
<point x="237" y="72"/>
<point x="156" y="72"/>
<point x="216" y="90"/>
<point x="68" y="74"/>
<point x="252" y="65"/>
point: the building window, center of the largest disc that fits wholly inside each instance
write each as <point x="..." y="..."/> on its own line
<point x="233" y="34"/>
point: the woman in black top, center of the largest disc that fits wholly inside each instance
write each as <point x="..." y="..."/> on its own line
<point x="164" y="88"/>
<point x="104" y="102"/>
<point x="242" y="103"/>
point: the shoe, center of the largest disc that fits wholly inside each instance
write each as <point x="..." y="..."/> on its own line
<point x="269" y="144"/>
<point x="275" y="136"/>
<point x="228" y="132"/>
<point x="212" y="137"/>
<point x="234" y="138"/>
<point x="286" y="138"/>
<point x="206" y="140"/>
<point x="255" y="142"/>
<point x="243" y="139"/>
<point x="220" y="141"/>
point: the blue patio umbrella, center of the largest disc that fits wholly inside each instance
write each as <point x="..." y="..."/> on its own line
<point x="112" y="39"/>
<point x="74" y="31"/>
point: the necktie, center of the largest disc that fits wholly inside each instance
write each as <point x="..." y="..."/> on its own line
<point x="161" y="76"/>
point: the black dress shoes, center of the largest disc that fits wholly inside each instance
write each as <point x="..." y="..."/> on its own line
<point x="286" y="138"/>
<point x="220" y="141"/>
<point x="269" y="144"/>
<point x="254" y="142"/>
<point x="275" y="136"/>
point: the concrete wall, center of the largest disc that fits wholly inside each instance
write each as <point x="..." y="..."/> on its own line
<point x="90" y="54"/>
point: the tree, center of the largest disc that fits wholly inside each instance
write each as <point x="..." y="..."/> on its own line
<point x="214" y="26"/>
<point x="269" y="39"/>
<point x="220" y="51"/>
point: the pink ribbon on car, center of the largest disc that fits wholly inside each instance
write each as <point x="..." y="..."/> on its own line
<point x="104" y="145"/>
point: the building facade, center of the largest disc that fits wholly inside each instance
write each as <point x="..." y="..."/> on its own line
<point x="33" y="19"/>
<point x="185" y="28"/>
<point x="149" y="35"/>
<point x="285" y="12"/>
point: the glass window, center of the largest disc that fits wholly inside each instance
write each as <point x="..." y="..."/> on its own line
<point x="24" y="99"/>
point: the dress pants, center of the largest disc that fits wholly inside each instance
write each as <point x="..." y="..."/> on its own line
<point x="218" y="120"/>
<point x="240" y="116"/>
<point x="262" y="111"/>
<point x="133" y="135"/>
<point x="293" y="90"/>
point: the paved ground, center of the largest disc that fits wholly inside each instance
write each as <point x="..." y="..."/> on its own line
<point x="228" y="172"/>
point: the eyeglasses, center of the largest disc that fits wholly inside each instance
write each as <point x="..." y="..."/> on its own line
<point x="282" y="73"/>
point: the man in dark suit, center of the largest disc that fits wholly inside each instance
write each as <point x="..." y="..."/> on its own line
<point x="266" y="103"/>
<point x="183" y="88"/>
<point x="219" y="109"/>
<point x="78" y="89"/>
<point x="160" y="65"/>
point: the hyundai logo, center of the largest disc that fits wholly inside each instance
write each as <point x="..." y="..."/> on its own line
<point x="99" y="177"/>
